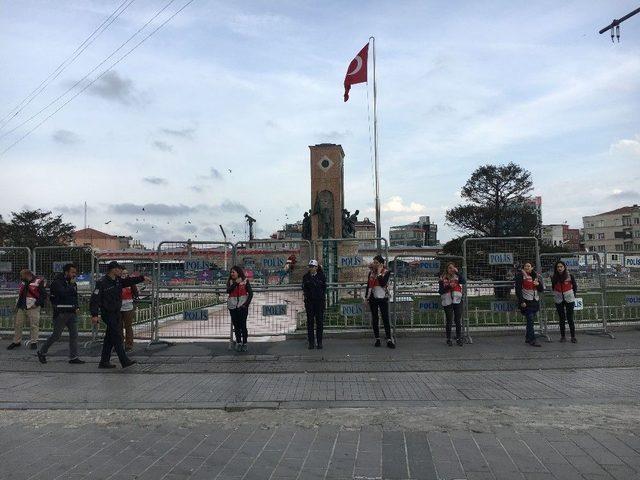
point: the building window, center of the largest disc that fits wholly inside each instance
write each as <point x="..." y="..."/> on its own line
<point x="619" y="247"/>
<point x="601" y="236"/>
<point x="614" y="257"/>
<point x="601" y="223"/>
<point x="601" y="248"/>
<point x="636" y="221"/>
<point x="626" y="221"/>
<point x="589" y="236"/>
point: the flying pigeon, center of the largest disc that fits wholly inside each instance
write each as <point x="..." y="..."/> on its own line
<point x="107" y="223"/>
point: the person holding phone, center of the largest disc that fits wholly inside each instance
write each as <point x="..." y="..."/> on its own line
<point x="528" y="288"/>
<point x="238" y="301"/>
<point x="450" y="289"/>
<point x="377" y="294"/>
<point x="565" y="289"/>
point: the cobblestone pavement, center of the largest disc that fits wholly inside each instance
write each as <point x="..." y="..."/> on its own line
<point x="492" y="410"/>
<point x="207" y="452"/>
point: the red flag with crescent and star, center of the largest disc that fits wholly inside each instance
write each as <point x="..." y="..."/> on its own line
<point x="357" y="71"/>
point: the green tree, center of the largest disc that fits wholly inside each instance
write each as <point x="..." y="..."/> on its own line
<point x="454" y="246"/>
<point x="498" y="203"/>
<point x="36" y="228"/>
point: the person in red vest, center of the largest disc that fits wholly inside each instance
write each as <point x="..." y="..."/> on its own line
<point x="377" y="294"/>
<point x="238" y="301"/>
<point x="450" y="289"/>
<point x="32" y="295"/>
<point x="128" y="311"/>
<point x="565" y="289"/>
<point x="528" y="288"/>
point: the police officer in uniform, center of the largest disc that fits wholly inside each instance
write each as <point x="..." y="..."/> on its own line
<point x="106" y="301"/>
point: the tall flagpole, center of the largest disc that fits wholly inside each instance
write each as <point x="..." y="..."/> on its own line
<point x="375" y="144"/>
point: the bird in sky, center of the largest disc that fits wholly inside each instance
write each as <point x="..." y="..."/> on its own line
<point x="107" y="223"/>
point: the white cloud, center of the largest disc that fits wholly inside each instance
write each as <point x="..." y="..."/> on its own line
<point x="627" y="147"/>
<point x="397" y="205"/>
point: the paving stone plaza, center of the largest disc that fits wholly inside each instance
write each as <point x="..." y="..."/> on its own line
<point x="495" y="409"/>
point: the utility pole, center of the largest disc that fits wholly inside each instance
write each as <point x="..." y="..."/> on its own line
<point x="224" y="235"/>
<point x="614" y="26"/>
<point x="250" y="221"/>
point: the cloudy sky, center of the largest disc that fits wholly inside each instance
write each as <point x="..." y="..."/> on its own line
<point x="211" y="117"/>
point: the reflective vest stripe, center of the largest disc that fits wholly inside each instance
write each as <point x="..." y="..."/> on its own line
<point x="529" y="291"/>
<point x="374" y="285"/>
<point x="454" y="295"/>
<point x="563" y="291"/>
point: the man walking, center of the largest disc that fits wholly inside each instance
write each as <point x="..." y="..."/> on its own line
<point x="106" y="301"/>
<point x="31" y="298"/>
<point x="64" y="300"/>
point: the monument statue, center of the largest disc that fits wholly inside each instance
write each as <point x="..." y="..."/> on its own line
<point x="323" y="208"/>
<point x="349" y="223"/>
<point x="306" y="226"/>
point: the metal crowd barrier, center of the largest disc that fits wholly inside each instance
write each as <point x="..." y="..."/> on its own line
<point x="491" y="265"/>
<point x="416" y="301"/>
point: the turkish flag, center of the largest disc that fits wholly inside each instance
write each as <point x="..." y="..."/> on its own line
<point x="357" y="71"/>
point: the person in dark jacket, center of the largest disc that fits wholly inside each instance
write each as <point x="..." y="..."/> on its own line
<point x="450" y="289"/>
<point x="377" y="294"/>
<point x="64" y="301"/>
<point x="528" y="287"/>
<point x="314" y="288"/>
<point x="106" y="301"/>
<point x="564" y="288"/>
<point x="238" y="301"/>
<point x="32" y="297"/>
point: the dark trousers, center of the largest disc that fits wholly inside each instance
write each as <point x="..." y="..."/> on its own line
<point x="383" y="305"/>
<point x="565" y="312"/>
<point x="530" y="315"/>
<point x="113" y="338"/>
<point x="239" y="320"/>
<point x="315" y="318"/>
<point x="453" y="313"/>
<point x="60" y="321"/>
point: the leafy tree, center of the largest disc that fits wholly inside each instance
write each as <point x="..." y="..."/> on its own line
<point x="36" y="228"/>
<point x="546" y="248"/>
<point x="454" y="246"/>
<point x="498" y="203"/>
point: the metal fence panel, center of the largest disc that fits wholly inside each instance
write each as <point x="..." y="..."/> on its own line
<point x="491" y="264"/>
<point x="275" y="269"/>
<point x="189" y="294"/>
<point x="416" y="299"/>
<point x="12" y="261"/>
<point x="622" y="292"/>
<point x="265" y="262"/>
<point x="345" y="262"/>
